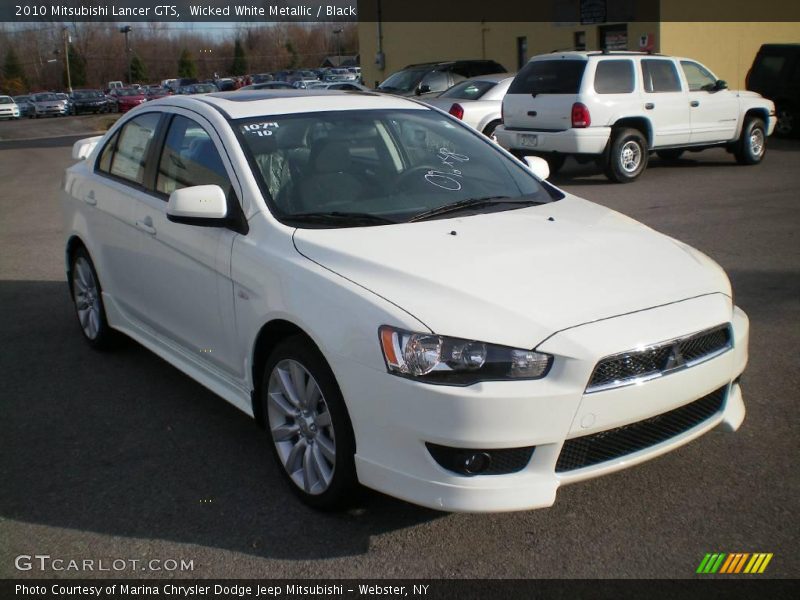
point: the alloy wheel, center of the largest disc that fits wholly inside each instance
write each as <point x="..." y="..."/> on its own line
<point x="87" y="298"/>
<point x="301" y="426"/>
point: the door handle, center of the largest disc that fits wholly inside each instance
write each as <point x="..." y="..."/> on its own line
<point x="649" y="106"/>
<point x="146" y="225"/>
<point x="694" y="103"/>
<point x="90" y="199"/>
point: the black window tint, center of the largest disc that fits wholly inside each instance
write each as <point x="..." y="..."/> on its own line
<point x="614" y="77"/>
<point x="104" y="164"/>
<point x="190" y="158"/>
<point x="469" y="90"/>
<point x="660" y="76"/>
<point x="549" y="77"/>
<point x="131" y="151"/>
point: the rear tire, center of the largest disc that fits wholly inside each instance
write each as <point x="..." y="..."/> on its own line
<point x="752" y="144"/>
<point x="627" y="155"/>
<point x="312" y="438"/>
<point x="555" y="162"/>
<point x="787" y="122"/>
<point x="488" y="131"/>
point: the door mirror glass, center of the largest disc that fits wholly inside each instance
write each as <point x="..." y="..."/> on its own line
<point x="197" y="205"/>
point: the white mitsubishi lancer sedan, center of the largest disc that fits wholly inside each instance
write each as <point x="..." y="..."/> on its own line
<point x="400" y="302"/>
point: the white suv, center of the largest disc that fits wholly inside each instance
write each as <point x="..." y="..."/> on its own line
<point x="617" y="107"/>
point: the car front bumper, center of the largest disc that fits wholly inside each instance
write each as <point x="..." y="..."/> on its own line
<point x="591" y="140"/>
<point x="393" y="418"/>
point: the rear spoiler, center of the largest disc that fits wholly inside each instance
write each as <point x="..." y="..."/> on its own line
<point x="83" y="148"/>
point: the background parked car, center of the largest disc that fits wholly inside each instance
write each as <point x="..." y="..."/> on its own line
<point x="87" y="101"/>
<point x="775" y="74"/>
<point x="269" y="85"/>
<point x="347" y="86"/>
<point x="436" y="77"/>
<point x="24" y="104"/>
<point x="477" y="101"/>
<point x="339" y="75"/>
<point x="8" y="108"/>
<point x="128" y="98"/>
<point x="48" y="103"/>
<point x="262" y="78"/>
<point x="203" y="88"/>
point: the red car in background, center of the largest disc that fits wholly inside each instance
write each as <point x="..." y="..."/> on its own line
<point x="128" y="98"/>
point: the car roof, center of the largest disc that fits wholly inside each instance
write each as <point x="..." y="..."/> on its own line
<point x="588" y="54"/>
<point x="497" y="77"/>
<point x="256" y="103"/>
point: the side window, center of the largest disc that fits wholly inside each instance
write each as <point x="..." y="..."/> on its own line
<point x="104" y="164"/>
<point x="697" y="76"/>
<point x="437" y="80"/>
<point x="135" y="138"/>
<point x="614" y="77"/>
<point x="660" y="76"/>
<point x="189" y="158"/>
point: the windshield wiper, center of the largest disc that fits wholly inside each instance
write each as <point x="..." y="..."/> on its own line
<point x="471" y="203"/>
<point x="340" y="217"/>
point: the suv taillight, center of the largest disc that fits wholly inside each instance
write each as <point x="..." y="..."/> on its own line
<point x="457" y="111"/>
<point x="580" y="115"/>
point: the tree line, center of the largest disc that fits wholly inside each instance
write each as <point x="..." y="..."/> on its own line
<point x="33" y="56"/>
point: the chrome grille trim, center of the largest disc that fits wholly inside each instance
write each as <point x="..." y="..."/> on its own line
<point x="651" y="362"/>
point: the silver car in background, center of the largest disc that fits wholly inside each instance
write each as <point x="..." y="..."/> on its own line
<point x="48" y="104"/>
<point x="477" y="101"/>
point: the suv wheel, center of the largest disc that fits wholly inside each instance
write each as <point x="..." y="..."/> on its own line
<point x="787" y="122"/>
<point x="488" y="131"/>
<point x="627" y="155"/>
<point x="752" y="144"/>
<point x="312" y="438"/>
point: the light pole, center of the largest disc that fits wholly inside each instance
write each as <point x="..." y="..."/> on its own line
<point x="126" y="30"/>
<point x="66" y="57"/>
<point x="336" y="32"/>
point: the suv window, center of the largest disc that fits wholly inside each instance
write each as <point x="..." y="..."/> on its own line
<point x="549" y="77"/>
<point x="189" y="158"/>
<point x="660" y="76"/>
<point x="130" y="151"/>
<point x="697" y="76"/>
<point x="614" y="77"/>
<point x="437" y="81"/>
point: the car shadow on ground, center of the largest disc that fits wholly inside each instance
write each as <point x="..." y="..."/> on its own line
<point x="124" y="444"/>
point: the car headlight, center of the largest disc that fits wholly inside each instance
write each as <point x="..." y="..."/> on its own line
<point x="441" y="359"/>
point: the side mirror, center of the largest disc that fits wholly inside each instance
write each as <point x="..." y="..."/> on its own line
<point x="538" y="166"/>
<point x="203" y="205"/>
<point x="720" y="85"/>
<point x="83" y="148"/>
<point x="423" y="89"/>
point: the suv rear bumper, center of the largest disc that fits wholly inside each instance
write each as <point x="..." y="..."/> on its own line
<point x="591" y="140"/>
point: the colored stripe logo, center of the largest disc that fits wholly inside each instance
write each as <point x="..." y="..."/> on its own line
<point x="737" y="562"/>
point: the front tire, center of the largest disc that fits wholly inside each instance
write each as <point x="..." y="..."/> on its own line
<point x="312" y="438"/>
<point x="752" y="144"/>
<point x="627" y="155"/>
<point x="87" y="297"/>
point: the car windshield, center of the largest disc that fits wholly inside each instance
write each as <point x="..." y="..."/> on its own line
<point x="6" y="100"/>
<point x="21" y="98"/>
<point x="404" y="81"/>
<point x="205" y="88"/>
<point x="379" y="166"/>
<point x="469" y="90"/>
<point x="45" y="97"/>
<point x="85" y="95"/>
<point x="129" y="93"/>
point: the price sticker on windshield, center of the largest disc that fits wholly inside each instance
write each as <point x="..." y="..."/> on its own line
<point x="260" y="129"/>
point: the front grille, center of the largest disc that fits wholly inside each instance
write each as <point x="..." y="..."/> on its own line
<point x="493" y="462"/>
<point x="614" y="443"/>
<point x="636" y="365"/>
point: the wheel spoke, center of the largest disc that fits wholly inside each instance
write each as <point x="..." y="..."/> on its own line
<point x="295" y="458"/>
<point x="285" y="432"/>
<point x="327" y="448"/>
<point x="320" y="464"/>
<point x="298" y="381"/>
<point x="308" y="470"/>
<point x="289" y="391"/>
<point x="323" y="419"/>
<point x="278" y="400"/>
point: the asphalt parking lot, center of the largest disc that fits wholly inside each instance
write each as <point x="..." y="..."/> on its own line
<point x="121" y="456"/>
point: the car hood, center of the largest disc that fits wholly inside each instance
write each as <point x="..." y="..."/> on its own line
<point x="518" y="276"/>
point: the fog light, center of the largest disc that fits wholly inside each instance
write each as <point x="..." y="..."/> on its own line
<point x="477" y="463"/>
